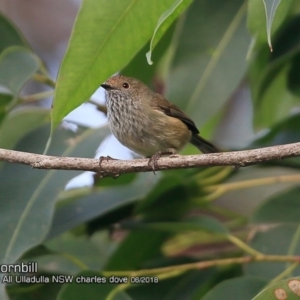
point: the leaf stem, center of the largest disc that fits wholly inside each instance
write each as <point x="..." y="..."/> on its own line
<point x="44" y="79"/>
<point x="243" y="246"/>
<point x="36" y="97"/>
<point x="207" y="264"/>
<point x="220" y="189"/>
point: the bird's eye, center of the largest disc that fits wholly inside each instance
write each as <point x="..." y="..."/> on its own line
<point x="125" y="85"/>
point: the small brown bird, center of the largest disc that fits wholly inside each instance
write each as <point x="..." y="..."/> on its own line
<point x="147" y="123"/>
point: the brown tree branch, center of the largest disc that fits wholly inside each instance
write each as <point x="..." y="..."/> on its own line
<point x="118" y="167"/>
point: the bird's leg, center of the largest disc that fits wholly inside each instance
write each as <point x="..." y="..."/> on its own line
<point x="155" y="157"/>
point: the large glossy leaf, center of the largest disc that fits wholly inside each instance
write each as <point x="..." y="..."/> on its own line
<point x="265" y="17"/>
<point x="139" y="248"/>
<point x="274" y="101"/>
<point x="242" y="288"/>
<point x="281" y="208"/>
<point x="139" y="68"/>
<point x="69" y="254"/>
<point x="19" y="123"/>
<point x="270" y="8"/>
<point x="189" y="286"/>
<point x="272" y="77"/>
<point x="10" y="35"/>
<point x="27" y="195"/>
<point x="275" y="240"/>
<point x="17" y="66"/>
<point x="79" y="208"/>
<point x="283" y="289"/>
<point x="285" y="132"/>
<point x="164" y="22"/>
<point x="210" y="57"/>
<point x="47" y="291"/>
<point x="170" y="199"/>
<point x="106" y="35"/>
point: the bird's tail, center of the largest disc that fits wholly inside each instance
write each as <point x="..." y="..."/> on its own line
<point x="203" y="145"/>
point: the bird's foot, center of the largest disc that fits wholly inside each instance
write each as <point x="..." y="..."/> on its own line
<point x="102" y="158"/>
<point x="155" y="157"/>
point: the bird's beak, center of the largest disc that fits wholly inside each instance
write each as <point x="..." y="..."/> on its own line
<point x="107" y="86"/>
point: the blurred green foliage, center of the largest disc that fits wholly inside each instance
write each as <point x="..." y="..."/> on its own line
<point x="169" y="235"/>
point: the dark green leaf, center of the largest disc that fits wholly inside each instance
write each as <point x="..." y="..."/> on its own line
<point x="4" y="100"/>
<point x="282" y="208"/>
<point x="202" y="223"/>
<point x="82" y="208"/>
<point x="47" y="291"/>
<point x="189" y="286"/>
<point x="199" y="81"/>
<point x="274" y="240"/>
<point x="268" y="74"/>
<point x="293" y="76"/>
<point x="242" y="288"/>
<point x="285" y="132"/>
<point x="91" y="291"/>
<point x="165" y="20"/>
<point x="10" y="35"/>
<point x="139" y="248"/>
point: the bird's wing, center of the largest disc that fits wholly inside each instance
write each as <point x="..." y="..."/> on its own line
<point x="172" y="110"/>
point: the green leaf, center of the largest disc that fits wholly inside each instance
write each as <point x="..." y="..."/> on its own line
<point x="91" y="291"/>
<point x="17" y="66"/>
<point x="293" y="76"/>
<point x="281" y="208"/>
<point x="10" y="35"/>
<point x="194" y="224"/>
<point x="19" y="123"/>
<point x="139" y="68"/>
<point x="5" y="99"/>
<point x="80" y="208"/>
<point x="284" y="289"/>
<point x="106" y="36"/>
<point x="191" y="285"/>
<point x="165" y="20"/>
<point x="70" y="254"/>
<point x="285" y="132"/>
<point x="199" y="81"/>
<point x="268" y="74"/>
<point x="242" y="288"/>
<point x="261" y="15"/>
<point x="28" y="202"/>
<point x="139" y="248"/>
<point x="270" y="9"/>
<point x="274" y="240"/>
<point x="47" y="291"/>
<point x="276" y="101"/>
